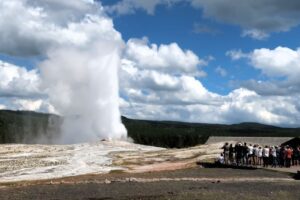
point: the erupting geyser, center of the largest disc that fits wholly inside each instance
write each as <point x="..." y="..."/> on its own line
<point x="78" y="55"/>
<point x="81" y="78"/>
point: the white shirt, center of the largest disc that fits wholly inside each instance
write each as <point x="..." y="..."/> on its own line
<point x="266" y="152"/>
<point x="221" y="159"/>
<point x="255" y="151"/>
<point x="250" y="149"/>
<point x="259" y="152"/>
<point x="274" y="152"/>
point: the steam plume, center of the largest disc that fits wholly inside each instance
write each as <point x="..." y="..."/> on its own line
<point x="80" y="52"/>
<point x="82" y="82"/>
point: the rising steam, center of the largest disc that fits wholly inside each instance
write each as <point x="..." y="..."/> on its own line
<point x="82" y="81"/>
<point x="78" y="52"/>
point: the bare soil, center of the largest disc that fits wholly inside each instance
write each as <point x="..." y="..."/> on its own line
<point x="192" y="183"/>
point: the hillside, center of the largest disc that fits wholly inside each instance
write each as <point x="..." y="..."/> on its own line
<point x="28" y="127"/>
<point x="32" y="127"/>
<point x="188" y="134"/>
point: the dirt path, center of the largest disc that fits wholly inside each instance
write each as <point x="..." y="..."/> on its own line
<point x="292" y="169"/>
<point x="193" y="183"/>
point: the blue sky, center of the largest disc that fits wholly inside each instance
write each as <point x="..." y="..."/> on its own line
<point x="178" y="23"/>
<point x="184" y="60"/>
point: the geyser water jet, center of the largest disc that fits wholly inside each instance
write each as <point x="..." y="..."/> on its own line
<point x="82" y="81"/>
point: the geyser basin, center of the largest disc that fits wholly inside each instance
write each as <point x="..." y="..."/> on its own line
<point x="33" y="162"/>
<point x="36" y="162"/>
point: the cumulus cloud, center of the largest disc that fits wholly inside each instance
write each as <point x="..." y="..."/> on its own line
<point x="152" y="92"/>
<point x="80" y="52"/>
<point x="241" y="105"/>
<point x="35" y="26"/>
<point x="20" y="89"/>
<point x="257" y="18"/>
<point x="78" y="41"/>
<point x="130" y="6"/>
<point x="246" y="105"/>
<point x="168" y="58"/>
<point x="280" y="65"/>
<point x="17" y="81"/>
<point x="268" y="88"/>
<point x="40" y="105"/>
<point x="27" y="103"/>
<point x="162" y="74"/>
<point x="280" y="62"/>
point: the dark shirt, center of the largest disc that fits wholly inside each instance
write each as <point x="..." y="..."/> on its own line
<point x="245" y="150"/>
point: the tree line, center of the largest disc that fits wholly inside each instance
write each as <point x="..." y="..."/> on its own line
<point x="30" y="127"/>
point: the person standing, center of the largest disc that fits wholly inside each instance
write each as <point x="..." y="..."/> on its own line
<point x="255" y="154"/>
<point x="277" y="155"/>
<point x="245" y="154"/>
<point x="282" y="156"/>
<point x="298" y="156"/>
<point x="250" y="155"/>
<point x="274" y="157"/>
<point x="238" y="153"/>
<point x="288" y="156"/>
<point x="231" y="152"/>
<point x="226" y="153"/>
<point x="266" y="154"/>
<point x="260" y="155"/>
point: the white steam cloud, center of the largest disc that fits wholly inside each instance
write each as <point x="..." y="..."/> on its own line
<point x="79" y="72"/>
<point x="82" y="81"/>
<point x="83" y="86"/>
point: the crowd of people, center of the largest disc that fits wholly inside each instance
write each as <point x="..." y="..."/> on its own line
<point x="256" y="155"/>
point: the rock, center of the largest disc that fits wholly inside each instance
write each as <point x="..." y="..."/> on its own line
<point x="107" y="181"/>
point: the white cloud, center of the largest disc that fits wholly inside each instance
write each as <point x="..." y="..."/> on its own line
<point x="160" y="88"/>
<point x="281" y="65"/>
<point x="281" y="61"/>
<point x="170" y="58"/>
<point x="152" y="92"/>
<point x="255" y="34"/>
<point x="17" y="81"/>
<point x="31" y="105"/>
<point x="81" y="52"/>
<point x="278" y="62"/>
<point x="240" y="105"/>
<point x="156" y="81"/>
<point x="162" y="74"/>
<point x="34" y="27"/>
<point x="257" y="18"/>
<point x="40" y="105"/>
<point x="20" y="89"/>
<point x="246" y="105"/>
<point x="236" y="54"/>
<point x="130" y="6"/>
<point x="221" y="71"/>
